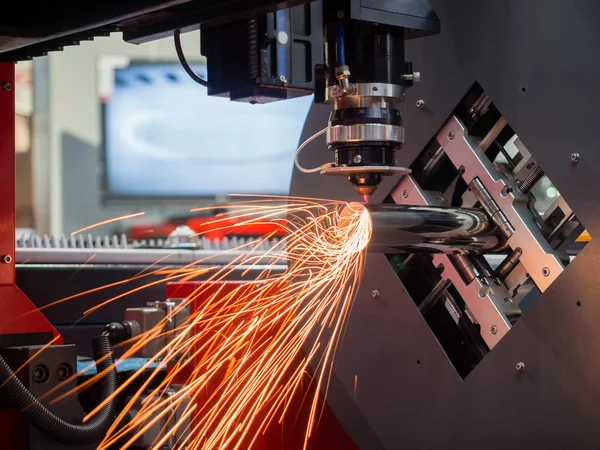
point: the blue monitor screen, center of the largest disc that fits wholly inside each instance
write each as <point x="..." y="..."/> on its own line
<point x="165" y="137"/>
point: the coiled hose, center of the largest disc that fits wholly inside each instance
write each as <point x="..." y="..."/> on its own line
<point x="55" y="427"/>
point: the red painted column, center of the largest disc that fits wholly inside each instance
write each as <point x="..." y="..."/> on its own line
<point x="7" y="173"/>
<point x="17" y="314"/>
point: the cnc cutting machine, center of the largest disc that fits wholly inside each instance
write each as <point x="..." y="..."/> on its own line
<point x="475" y="323"/>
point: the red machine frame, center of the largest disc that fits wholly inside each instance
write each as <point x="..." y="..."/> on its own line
<point x="19" y="315"/>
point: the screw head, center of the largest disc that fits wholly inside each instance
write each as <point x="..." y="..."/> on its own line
<point x="506" y="190"/>
<point x="6" y="259"/>
<point x="494" y="329"/>
<point x="520" y="366"/>
<point x="63" y="371"/>
<point x="574" y="158"/>
<point x="405" y="193"/>
<point x="340" y="14"/>
<point x="6" y="86"/>
<point x="545" y="271"/>
<point x="356" y="159"/>
<point x="420" y="104"/>
<point x="283" y="79"/>
<point x="450" y="135"/>
<point x="40" y="373"/>
<point x="375" y="293"/>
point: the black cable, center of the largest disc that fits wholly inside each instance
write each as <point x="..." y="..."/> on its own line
<point x="55" y="427"/>
<point x="183" y="61"/>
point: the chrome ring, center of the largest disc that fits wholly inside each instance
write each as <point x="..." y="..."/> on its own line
<point x="365" y="133"/>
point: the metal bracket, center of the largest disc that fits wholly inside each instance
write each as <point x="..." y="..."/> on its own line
<point x="486" y="301"/>
<point x="538" y="257"/>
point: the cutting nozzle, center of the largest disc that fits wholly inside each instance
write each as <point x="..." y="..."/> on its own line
<point x="365" y="191"/>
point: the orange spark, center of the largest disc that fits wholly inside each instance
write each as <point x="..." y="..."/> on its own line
<point x="245" y="349"/>
<point x="105" y="222"/>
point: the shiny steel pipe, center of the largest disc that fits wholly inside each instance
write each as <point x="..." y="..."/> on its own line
<point x="431" y="229"/>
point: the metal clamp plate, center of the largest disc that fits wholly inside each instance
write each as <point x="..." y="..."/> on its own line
<point x="538" y="258"/>
<point x="486" y="302"/>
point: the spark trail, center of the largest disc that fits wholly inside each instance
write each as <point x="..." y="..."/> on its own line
<point x="243" y="351"/>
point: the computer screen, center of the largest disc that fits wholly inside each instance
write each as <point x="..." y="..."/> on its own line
<point x="164" y="137"/>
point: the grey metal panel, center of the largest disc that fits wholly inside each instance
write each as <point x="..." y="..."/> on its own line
<point x="398" y="362"/>
<point x="550" y="48"/>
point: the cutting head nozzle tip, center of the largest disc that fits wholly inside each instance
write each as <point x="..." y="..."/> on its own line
<point x="365" y="192"/>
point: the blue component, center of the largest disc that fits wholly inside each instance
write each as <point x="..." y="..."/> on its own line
<point x="340" y="44"/>
<point x="282" y="49"/>
<point x="87" y="367"/>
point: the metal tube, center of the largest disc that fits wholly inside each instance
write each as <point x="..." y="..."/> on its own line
<point x="493" y="134"/>
<point x="433" y="296"/>
<point x="432" y="164"/>
<point x="431" y="229"/>
<point x="508" y="264"/>
<point x="465" y="268"/>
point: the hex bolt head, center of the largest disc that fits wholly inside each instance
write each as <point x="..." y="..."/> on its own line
<point x="356" y="159"/>
<point x="520" y="366"/>
<point x="574" y="158"/>
<point x="494" y="329"/>
<point x="6" y="86"/>
<point x="450" y="135"/>
<point x="6" y="259"/>
<point x="545" y="271"/>
<point x="420" y="104"/>
<point x="405" y="193"/>
<point x="375" y="293"/>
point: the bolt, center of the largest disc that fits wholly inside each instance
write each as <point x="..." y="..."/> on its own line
<point x="357" y="159"/>
<point x="506" y="190"/>
<point x="7" y="259"/>
<point x="63" y="371"/>
<point x="450" y="135"/>
<point x="574" y="158"/>
<point x="494" y="329"/>
<point x="375" y="293"/>
<point x="6" y="86"/>
<point x="520" y="366"/>
<point x="484" y="291"/>
<point x="405" y="193"/>
<point x="40" y="373"/>
<point x="420" y="104"/>
<point x="258" y="80"/>
<point x="340" y="14"/>
<point x="545" y="271"/>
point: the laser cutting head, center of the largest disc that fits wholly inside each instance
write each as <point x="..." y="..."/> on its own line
<point x="366" y="87"/>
